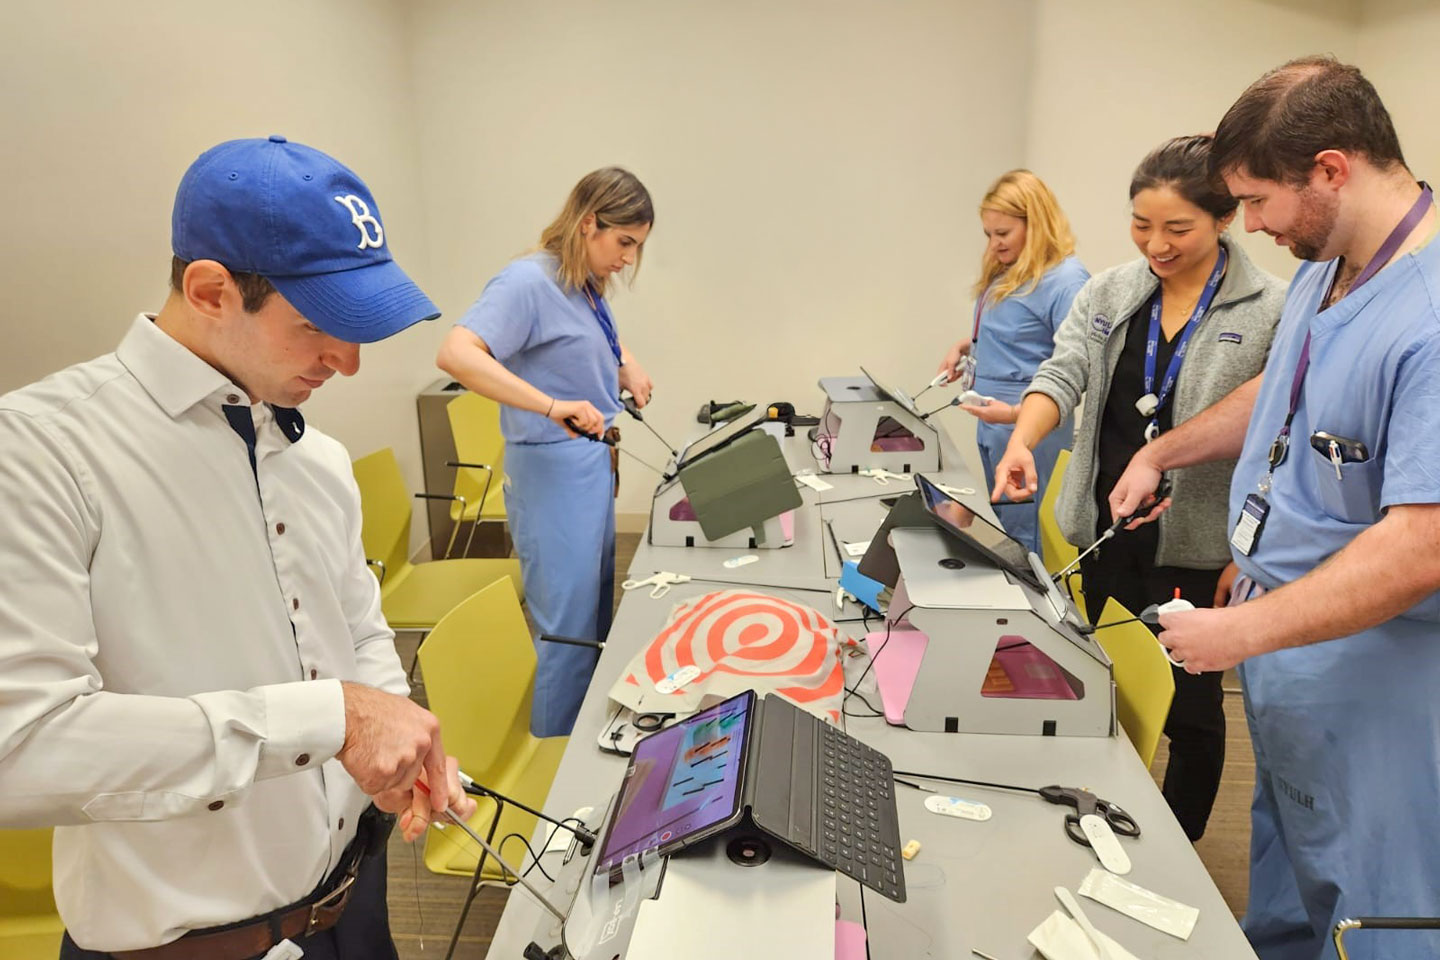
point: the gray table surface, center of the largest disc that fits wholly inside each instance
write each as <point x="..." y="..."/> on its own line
<point x="985" y="885"/>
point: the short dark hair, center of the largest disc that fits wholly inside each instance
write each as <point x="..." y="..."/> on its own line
<point x="1183" y="165"/>
<point x="1295" y="111"/>
<point x="254" y="289"/>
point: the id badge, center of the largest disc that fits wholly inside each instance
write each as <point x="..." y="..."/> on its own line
<point x="1251" y="523"/>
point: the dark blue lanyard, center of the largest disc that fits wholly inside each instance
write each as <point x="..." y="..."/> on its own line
<point x="607" y="322"/>
<point x="1178" y="358"/>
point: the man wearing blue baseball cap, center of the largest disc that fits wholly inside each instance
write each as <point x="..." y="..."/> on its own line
<point x="197" y="686"/>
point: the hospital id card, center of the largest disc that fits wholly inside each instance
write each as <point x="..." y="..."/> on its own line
<point x="1250" y="524"/>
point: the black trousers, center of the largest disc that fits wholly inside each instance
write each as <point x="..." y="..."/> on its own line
<point x="363" y="932"/>
<point x="1124" y="568"/>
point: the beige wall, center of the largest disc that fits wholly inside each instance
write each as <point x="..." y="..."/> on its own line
<point x="815" y="164"/>
<point x="1114" y="78"/>
<point x="106" y="104"/>
<point x="1398" y="41"/>
<point x="814" y="167"/>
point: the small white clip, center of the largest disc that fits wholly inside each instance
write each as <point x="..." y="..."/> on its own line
<point x="662" y="581"/>
<point x="883" y="477"/>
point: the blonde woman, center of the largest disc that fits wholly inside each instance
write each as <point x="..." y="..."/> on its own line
<point x="1029" y="276"/>
<point x="541" y="341"/>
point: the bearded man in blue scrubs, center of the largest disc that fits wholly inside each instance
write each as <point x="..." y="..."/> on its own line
<point x="1335" y="519"/>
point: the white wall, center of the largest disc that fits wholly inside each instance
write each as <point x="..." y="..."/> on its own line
<point x="815" y="167"/>
<point x="1114" y="78"/>
<point x="106" y="104"/>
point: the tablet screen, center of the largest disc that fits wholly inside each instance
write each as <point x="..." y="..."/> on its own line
<point x="1004" y="550"/>
<point x="681" y="782"/>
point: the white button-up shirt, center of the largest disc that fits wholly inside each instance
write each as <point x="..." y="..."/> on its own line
<point x="173" y="632"/>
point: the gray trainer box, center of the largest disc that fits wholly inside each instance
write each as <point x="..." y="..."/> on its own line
<point x="732" y="496"/>
<point x="967" y="607"/>
<point x="867" y="425"/>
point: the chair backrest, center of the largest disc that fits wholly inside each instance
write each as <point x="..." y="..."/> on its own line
<point x="479" y="668"/>
<point x="385" y="509"/>
<point x="475" y="427"/>
<point x="1144" y="684"/>
<point x="1055" y="550"/>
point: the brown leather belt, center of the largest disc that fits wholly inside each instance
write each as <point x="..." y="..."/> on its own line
<point x="256" y="938"/>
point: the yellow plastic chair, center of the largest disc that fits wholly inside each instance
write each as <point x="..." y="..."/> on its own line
<point x="414" y="596"/>
<point x="479" y="670"/>
<point x="479" y="465"/>
<point x="1144" y="685"/>
<point x="1057" y="552"/>
<point x="30" y="929"/>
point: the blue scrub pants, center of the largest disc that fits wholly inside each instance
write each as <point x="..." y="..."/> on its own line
<point x="1021" y="520"/>
<point x="560" y="498"/>
<point x="1346" y="816"/>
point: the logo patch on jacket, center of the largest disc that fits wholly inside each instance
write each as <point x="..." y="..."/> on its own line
<point x="1230" y="338"/>
<point x="1101" y="324"/>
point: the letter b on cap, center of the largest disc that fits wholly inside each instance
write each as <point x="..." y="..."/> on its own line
<point x="362" y="218"/>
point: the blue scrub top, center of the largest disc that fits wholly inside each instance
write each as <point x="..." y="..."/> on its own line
<point x="1018" y="333"/>
<point x="1374" y="377"/>
<point x="547" y="337"/>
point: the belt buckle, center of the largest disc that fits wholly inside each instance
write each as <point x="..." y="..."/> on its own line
<point x="335" y="898"/>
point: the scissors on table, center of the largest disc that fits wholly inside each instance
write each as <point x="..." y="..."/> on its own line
<point x="883" y="477"/>
<point x="1086" y="804"/>
<point x="662" y="581"/>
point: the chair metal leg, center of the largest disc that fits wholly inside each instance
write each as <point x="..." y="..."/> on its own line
<point x="415" y="661"/>
<point x="475" y="881"/>
<point x="484" y="495"/>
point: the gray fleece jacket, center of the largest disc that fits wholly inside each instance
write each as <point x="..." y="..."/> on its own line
<point x="1227" y="349"/>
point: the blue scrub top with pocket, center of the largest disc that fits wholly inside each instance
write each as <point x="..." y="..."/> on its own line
<point x="1374" y="377"/>
<point x="1018" y="333"/>
<point x="547" y="337"/>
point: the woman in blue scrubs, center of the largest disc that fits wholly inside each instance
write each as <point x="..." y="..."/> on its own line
<point x="542" y="342"/>
<point x="1029" y="276"/>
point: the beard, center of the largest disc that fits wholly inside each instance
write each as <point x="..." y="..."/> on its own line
<point x="1315" y="221"/>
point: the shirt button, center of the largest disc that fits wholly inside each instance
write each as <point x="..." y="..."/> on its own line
<point x="314" y="673"/>
<point x="342" y="824"/>
<point x="232" y="398"/>
<point x="280" y="528"/>
<point x="217" y="805"/>
<point x="303" y="759"/>
<point x="295" y="604"/>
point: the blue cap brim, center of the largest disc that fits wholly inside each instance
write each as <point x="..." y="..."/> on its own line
<point x="361" y="305"/>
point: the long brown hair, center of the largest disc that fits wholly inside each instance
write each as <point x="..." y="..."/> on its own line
<point x="615" y="197"/>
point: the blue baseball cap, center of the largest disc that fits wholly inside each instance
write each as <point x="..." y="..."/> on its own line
<point x="306" y="223"/>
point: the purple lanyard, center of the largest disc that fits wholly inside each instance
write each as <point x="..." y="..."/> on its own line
<point x="1382" y="256"/>
<point x="1202" y="307"/>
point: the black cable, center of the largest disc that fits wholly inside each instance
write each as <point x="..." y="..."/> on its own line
<point x="973" y="783"/>
<point x="855" y="690"/>
<point x="534" y="860"/>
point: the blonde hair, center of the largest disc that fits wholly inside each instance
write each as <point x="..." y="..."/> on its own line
<point x="615" y="198"/>
<point x="1048" y="239"/>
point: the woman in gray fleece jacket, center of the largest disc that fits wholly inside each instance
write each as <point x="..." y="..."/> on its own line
<point x="1147" y="345"/>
